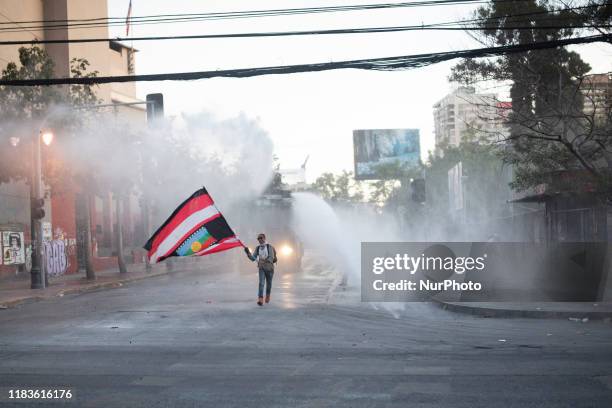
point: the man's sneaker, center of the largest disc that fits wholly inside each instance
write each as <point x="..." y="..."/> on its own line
<point x="267" y="298"/>
<point x="260" y="301"/>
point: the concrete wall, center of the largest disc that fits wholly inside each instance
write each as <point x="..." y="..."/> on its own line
<point x="15" y="11"/>
<point x="96" y="53"/>
<point x="57" y="10"/>
<point x="101" y="58"/>
<point x="15" y="199"/>
<point x="14" y="216"/>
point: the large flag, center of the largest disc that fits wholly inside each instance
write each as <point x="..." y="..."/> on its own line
<point x="195" y="228"/>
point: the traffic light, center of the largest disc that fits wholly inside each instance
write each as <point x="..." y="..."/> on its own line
<point x="418" y="190"/>
<point x="38" y="208"/>
<point x="155" y="106"/>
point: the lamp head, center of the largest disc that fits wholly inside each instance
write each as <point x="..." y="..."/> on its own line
<point x="47" y="137"/>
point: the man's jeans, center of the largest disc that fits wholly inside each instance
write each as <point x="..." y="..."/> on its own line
<point x="267" y="277"/>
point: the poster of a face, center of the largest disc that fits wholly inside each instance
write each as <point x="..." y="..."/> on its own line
<point x="374" y="148"/>
<point x="13" y="252"/>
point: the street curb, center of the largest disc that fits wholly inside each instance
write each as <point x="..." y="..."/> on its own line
<point x="15" y="302"/>
<point x="88" y="287"/>
<point x="513" y="313"/>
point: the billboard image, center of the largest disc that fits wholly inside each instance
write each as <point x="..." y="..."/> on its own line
<point x="378" y="147"/>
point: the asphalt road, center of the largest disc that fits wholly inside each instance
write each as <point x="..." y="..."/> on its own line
<point x="198" y="339"/>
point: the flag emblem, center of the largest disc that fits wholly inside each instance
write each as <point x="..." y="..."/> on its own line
<point x="201" y="239"/>
<point x="195" y="228"/>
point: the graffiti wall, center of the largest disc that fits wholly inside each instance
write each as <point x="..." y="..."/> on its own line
<point x="57" y="253"/>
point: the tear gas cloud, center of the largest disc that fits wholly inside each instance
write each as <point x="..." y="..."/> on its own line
<point x="233" y="158"/>
<point x="166" y="162"/>
<point x="336" y="233"/>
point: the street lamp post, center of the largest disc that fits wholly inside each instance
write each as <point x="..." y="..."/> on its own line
<point x="39" y="278"/>
<point x="38" y="281"/>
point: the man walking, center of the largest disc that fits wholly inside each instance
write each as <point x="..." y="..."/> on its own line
<point x="265" y="255"/>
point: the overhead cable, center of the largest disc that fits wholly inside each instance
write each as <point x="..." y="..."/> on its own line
<point x="365" y="30"/>
<point x="377" y="64"/>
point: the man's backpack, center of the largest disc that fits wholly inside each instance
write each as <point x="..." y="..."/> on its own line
<point x="275" y="258"/>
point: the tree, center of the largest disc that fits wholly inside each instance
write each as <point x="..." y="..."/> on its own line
<point x="386" y="184"/>
<point x="596" y="15"/>
<point x="20" y="107"/>
<point x="341" y="188"/>
<point x="325" y="185"/>
<point x="393" y="182"/>
<point x="549" y="127"/>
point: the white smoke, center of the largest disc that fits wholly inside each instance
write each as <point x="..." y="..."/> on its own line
<point x="337" y="233"/>
<point x="167" y="162"/>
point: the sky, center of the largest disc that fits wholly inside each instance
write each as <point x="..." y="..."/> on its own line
<point x="310" y="113"/>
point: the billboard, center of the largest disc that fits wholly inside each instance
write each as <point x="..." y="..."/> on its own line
<point x="379" y="147"/>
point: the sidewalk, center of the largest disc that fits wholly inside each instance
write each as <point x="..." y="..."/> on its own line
<point x="15" y="292"/>
<point x="575" y="311"/>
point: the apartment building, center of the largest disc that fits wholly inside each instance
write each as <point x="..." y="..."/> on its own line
<point x="597" y="92"/>
<point x="464" y="113"/>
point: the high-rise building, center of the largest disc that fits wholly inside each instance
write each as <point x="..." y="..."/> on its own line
<point x="465" y="113"/>
<point x="597" y="92"/>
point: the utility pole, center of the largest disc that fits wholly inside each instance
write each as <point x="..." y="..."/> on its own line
<point x="118" y="212"/>
<point x="89" y="269"/>
<point x="36" y="213"/>
<point x="155" y="111"/>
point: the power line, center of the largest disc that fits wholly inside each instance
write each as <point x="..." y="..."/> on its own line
<point x="443" y="26"/>
<point x="378" y="64"/>
<point x="191" y="17"/>
<point x="265" y="12"/>
<point x="17" y="24"/>
<point x="323" y="32"/>
<point x="368" y="30"/>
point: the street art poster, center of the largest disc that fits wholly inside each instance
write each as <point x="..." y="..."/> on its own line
<point x="13" y="248"/>
<point x="47" y="231"/>
<point x="375" y="148"/>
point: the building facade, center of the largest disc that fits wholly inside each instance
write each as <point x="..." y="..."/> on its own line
<point x="597" y="92"/>
<point x="464" y="113"/>
<point x="63" y="228"/>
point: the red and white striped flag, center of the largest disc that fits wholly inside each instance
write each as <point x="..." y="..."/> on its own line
<point x="128" y="19"/>
<point x="195" y="228"/>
